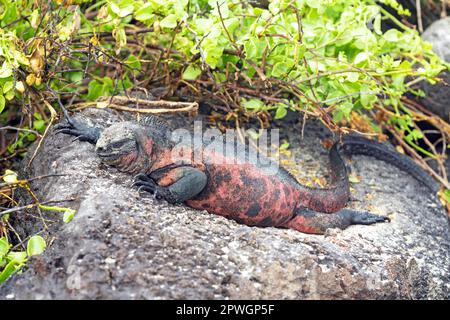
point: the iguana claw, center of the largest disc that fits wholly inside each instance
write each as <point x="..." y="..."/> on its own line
<point x="75" y="128"/>
<point x="145" y="183"/>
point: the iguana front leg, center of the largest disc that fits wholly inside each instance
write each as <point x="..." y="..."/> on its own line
<point x="145" y="183"/>
<point x="175" y="186"/>
<point x="83" y="132"/>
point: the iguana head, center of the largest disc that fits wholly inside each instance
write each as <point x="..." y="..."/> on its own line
<point x="130" y="146"/>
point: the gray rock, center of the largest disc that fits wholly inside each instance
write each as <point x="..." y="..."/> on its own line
<point x="437" y="98"/>
<point x="124" y="246"/>
<point x="438" y="34"/>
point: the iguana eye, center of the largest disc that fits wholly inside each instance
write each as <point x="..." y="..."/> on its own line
<point x="118" y="144"/>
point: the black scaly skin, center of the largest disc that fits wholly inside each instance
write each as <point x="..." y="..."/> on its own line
<point x="81" y="131"/>
<point x="354" y="144"/>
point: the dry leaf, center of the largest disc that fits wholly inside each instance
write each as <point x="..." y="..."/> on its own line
<point x="31" y="78"/>
<point x="400" y="149"/>
<point x="102" y="104"/>
<point x="20" y="87"/>
<point x="10" y="176"/>
<point x="327" y="143"/>
<point x="353" y="178"/>
<point x="103" y="12"/>
<point x="36" y="61"/>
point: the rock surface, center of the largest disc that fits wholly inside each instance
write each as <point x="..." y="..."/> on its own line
<point x="123" y="246"/>
<point x="438" y="34"/>
<point x="438" y="95"/>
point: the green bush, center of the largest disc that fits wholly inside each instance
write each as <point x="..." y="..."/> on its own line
<point x="314" y="54"/>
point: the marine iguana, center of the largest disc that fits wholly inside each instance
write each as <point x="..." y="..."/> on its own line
<point x="244" y="192"/>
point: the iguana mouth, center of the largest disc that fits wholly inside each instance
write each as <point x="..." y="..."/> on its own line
<point x="108" y="156"/>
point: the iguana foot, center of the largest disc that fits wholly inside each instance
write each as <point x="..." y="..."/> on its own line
<point x="78" y="129"/>
<point x="310" y="221"/>
<point x="145" y="183"/>
<point x="366" y="218"/>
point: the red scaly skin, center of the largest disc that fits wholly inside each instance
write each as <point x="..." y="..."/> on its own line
<point x="243" y="192"/>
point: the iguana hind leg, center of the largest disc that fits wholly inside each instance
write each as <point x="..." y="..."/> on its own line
<point x="309" y="221"/>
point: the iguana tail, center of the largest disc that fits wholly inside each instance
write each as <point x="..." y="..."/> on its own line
<point x="354" y="144"/>
<point x="335" y="197"/>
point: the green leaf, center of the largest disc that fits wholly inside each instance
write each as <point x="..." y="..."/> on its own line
<point x="9" y="269"/>
<point x="301" y="49"/>
<point x="7" y="86"/>
<point x="253" y="104"/>
<point x="75" y="76"/>
<point x="446" y="195"/>
<point x="134" y="63"/>
<point x="114" y="8"/>
<point x="4" y="247"/>
<point x="16" y="261"/>
<point x="284" y="146"/>
<point x="367" y="100"/>
<point x="123" y="9"/>
<point x="35" y="246"/>
<point x="224" y="11"/>
<point x="352" y="76"/>
<point x="346" y="108"/>
<point x="68" y="215"/>
<point x="254" y="48"/>
<point x="31" y="137"/>
<point x="125" y="83"/>
<point x="415" y="135"/>
<point x="392" y="35"/>
<point x="280" y="113"/>
<point x="313" y="3"/>
<point x="5" y="70"/>
<point x="9" y="95"/>
<point x="19" y="257"/>
<point x="377" y="24"/>
<point x="100" y="88"/>
<point x="220" y="77"/>
<point x="2" y="103"/>
<point x="169" y="22"/>
<point x="279" y="69"/>
<point x="231" y="24"/>
<point x="361" y="57"/>
<point x="192" y="72"/>
<point x="34" y="18"/>
<point x="39" y="125"/>
<point x="144" y="13"/>
<point x="94" y="90"/>
<point x="9" y="12"/>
